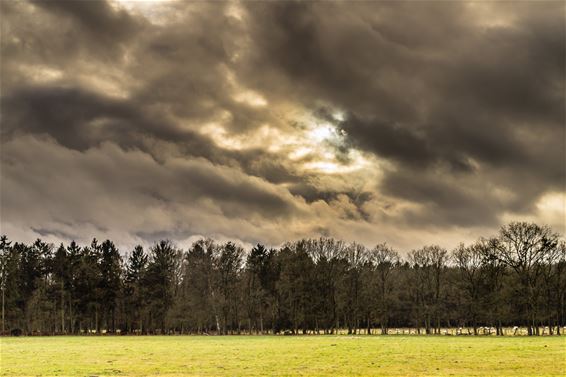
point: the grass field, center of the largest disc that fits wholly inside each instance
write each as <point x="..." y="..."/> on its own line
<point x="283" y="356"/>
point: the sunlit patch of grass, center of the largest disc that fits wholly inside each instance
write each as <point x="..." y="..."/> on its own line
<point x="283" y="356"/>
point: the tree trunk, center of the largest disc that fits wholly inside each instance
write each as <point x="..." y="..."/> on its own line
<point x="218" y="328"/>
<point x="261" y="322"/>
<point x="71" y="327"/>
<point x="3" y="309"/>
<point x="62" y="308"/>
<point x="96" y="324"/>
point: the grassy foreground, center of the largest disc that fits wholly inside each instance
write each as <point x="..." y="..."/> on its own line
<point x="283" y="356"/>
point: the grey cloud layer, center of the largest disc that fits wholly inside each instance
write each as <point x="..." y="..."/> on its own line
<point x="460" y="104"/>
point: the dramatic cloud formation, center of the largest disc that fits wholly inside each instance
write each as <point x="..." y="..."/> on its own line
<point x="406" y="122"/>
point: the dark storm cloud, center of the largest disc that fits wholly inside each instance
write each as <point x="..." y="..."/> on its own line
<point x="84" y="118"/>
<point x="431" y="85"/>
<point x="312" y="194"/>
<point x="178" y="70"/>
<point x="445" y="202"/>
<point x="109" y="191"/>
<point x="101" y="23"/>
<point x="460" y="105"/>
<point x="390" y="140"/>
<point x="80" y="119"/>
<point x="62" y="33"/>
<point x="352" y="54"/>
<point x="325" y="51"/>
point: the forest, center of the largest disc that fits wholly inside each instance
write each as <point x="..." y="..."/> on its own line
<point x="315" y="286"/>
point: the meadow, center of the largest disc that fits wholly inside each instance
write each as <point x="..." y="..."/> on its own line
<point x="283" y="356"/>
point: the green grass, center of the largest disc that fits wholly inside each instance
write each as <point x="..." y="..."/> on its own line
<point x="283" y="356"/>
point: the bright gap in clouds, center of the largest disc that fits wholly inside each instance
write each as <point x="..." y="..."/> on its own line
<point x="321" y="133"/>
<point x="155" y="11"/>
<point x="313" y="148"/>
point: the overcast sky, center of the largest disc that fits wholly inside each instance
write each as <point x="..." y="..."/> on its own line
<point x="407" y="122"/>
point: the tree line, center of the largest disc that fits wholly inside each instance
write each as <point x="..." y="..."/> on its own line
<point x="517" y="278"/>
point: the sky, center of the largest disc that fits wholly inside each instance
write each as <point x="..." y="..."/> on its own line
<point x="410" y="123"/>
